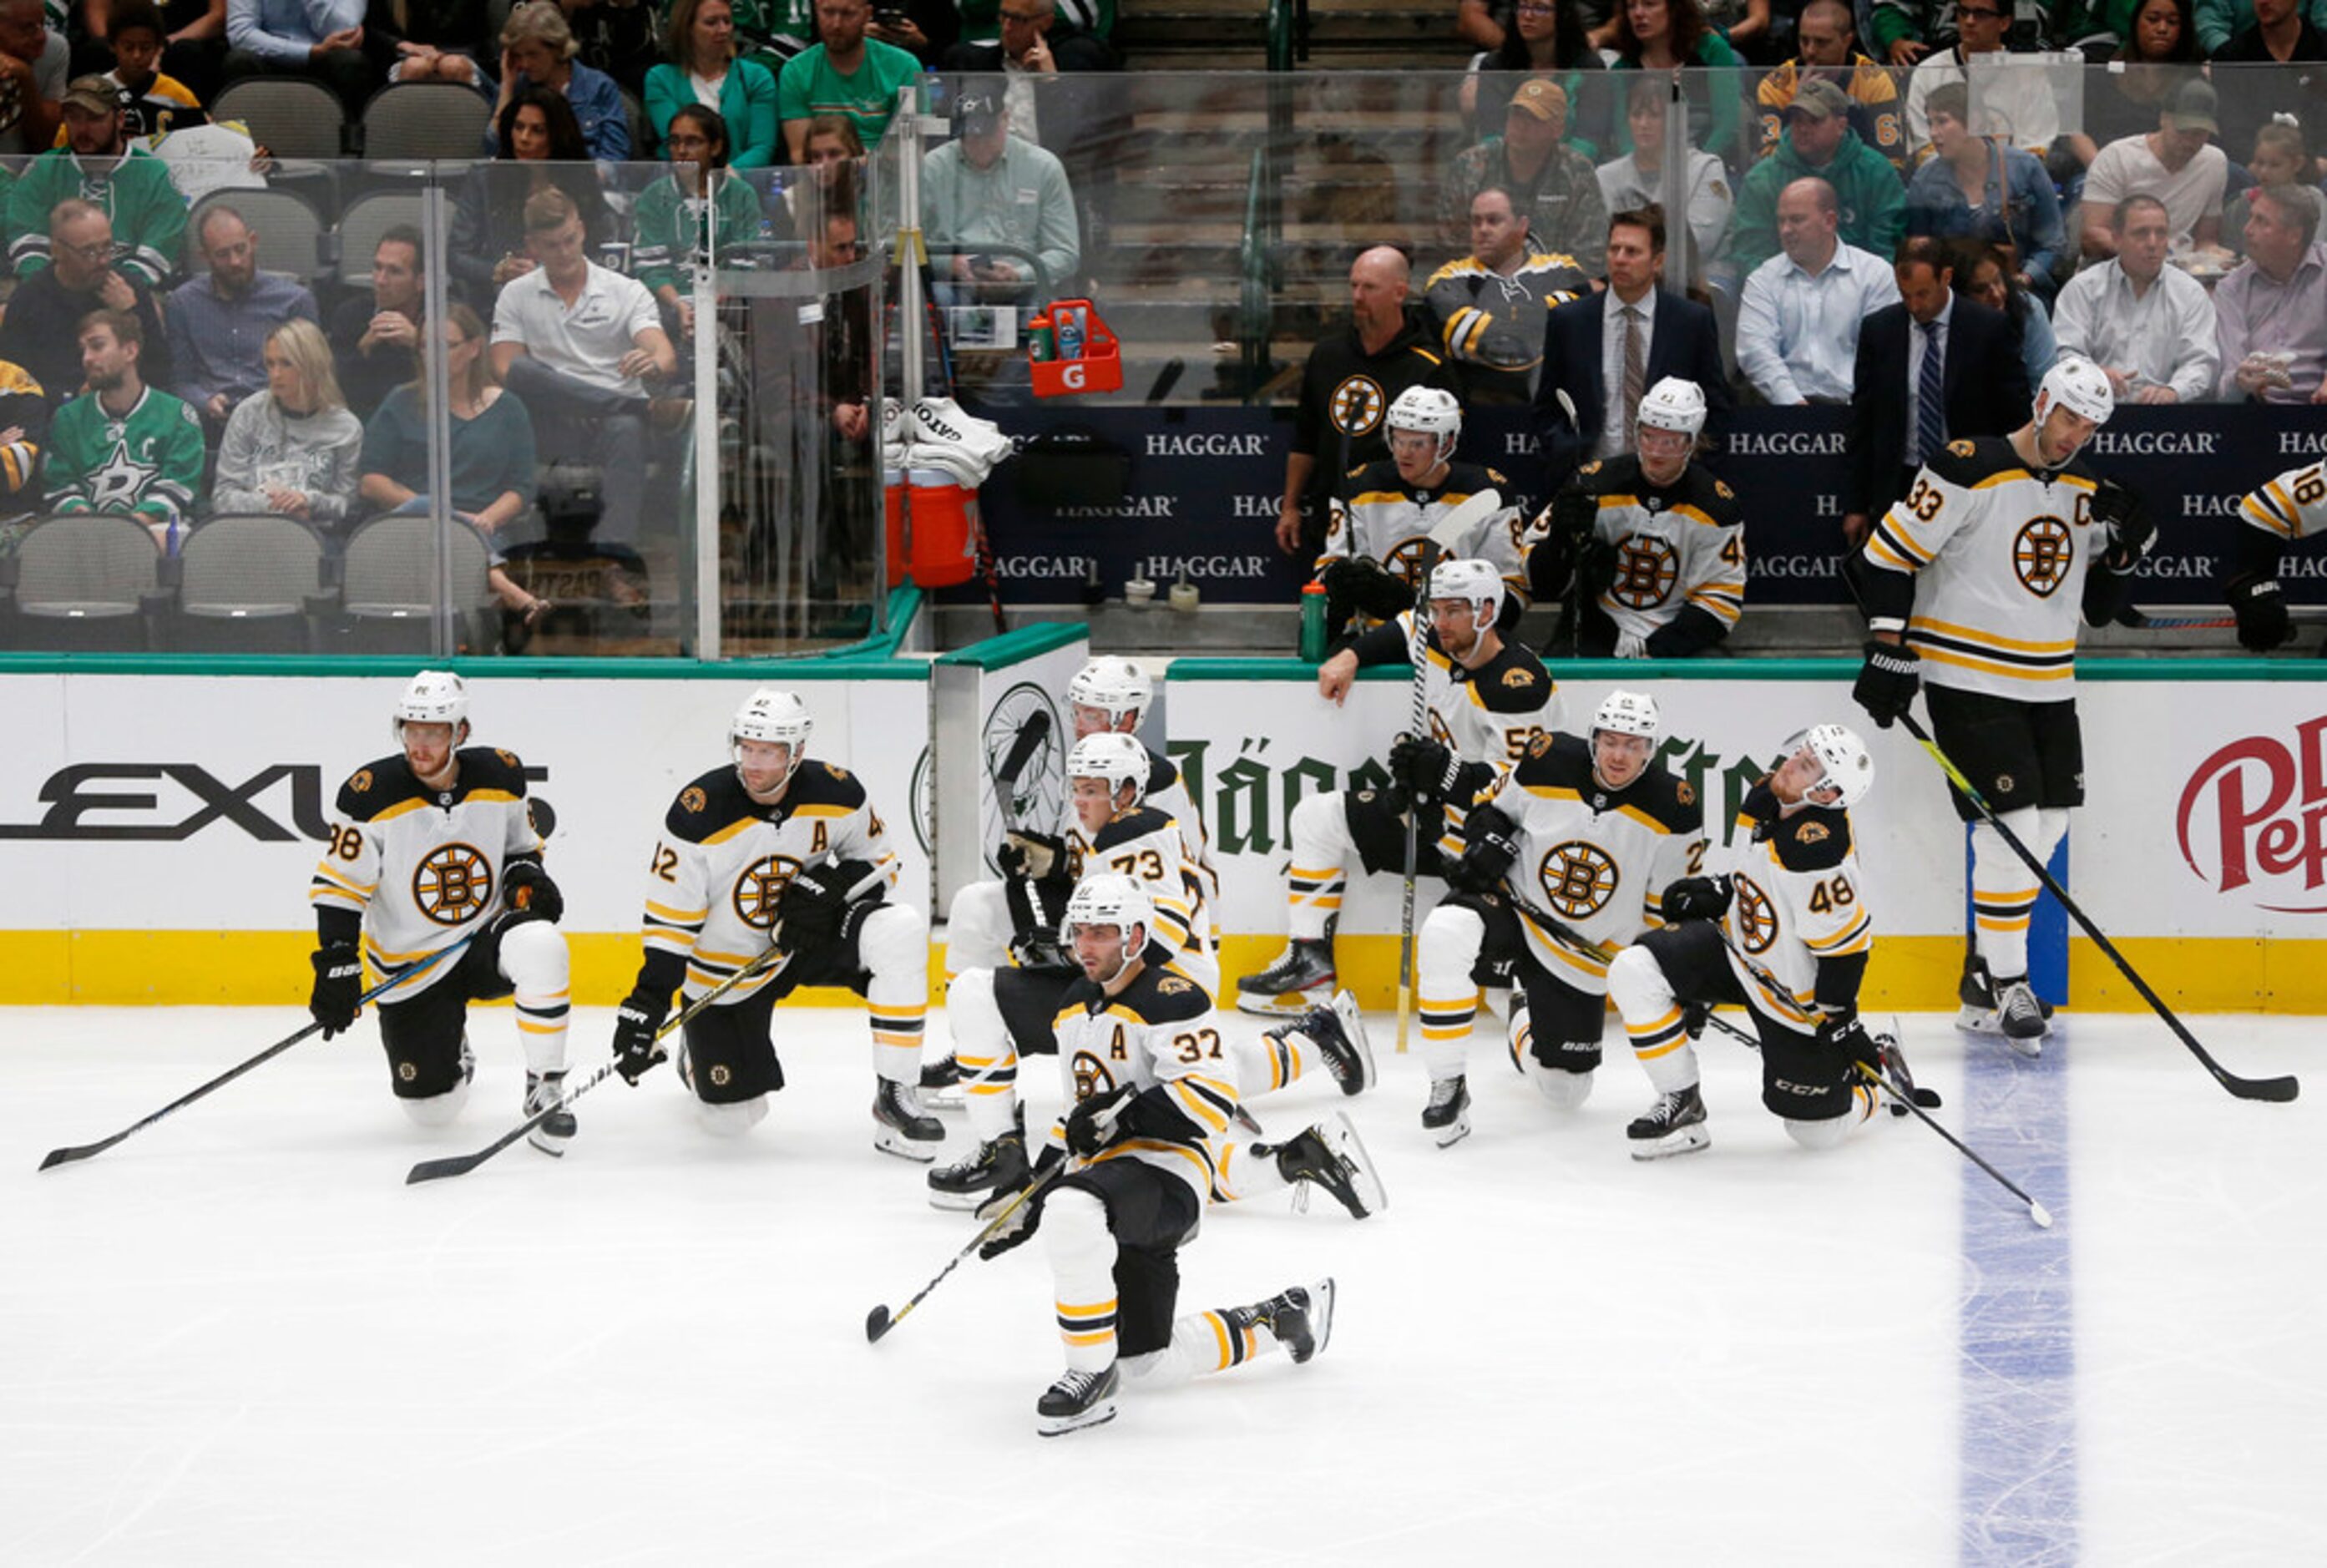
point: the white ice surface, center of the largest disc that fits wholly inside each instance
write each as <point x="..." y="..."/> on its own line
<point x="238" y="1337"/>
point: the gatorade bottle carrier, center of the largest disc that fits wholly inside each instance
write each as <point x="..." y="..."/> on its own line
<point x="1098" y="368"/>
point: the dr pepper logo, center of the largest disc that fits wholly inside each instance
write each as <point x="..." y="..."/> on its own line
<point x="2257" y="810"/>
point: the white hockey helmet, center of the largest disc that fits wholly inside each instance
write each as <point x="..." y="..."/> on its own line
<point x="1628" y="713"/>
<point x="1117" y="758"/>
<point x="1674" y="403"/>
<point x="1474" y="582"/>
<point x="2080" y="384"/>
<point x="1430" y="411"/>
<point x="773" y="715"/>
<point x="1115" y="686"/>
<point x="436" y="696"/>
<point x="1110" y="898"/>
<point x="1849" y="766"/>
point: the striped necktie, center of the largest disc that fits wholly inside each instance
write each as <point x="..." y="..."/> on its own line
<point x="1931" y="397"/>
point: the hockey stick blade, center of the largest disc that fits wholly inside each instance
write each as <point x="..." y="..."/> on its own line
<point x="1023" y="747"/>
<point x="84" y="1151"/>
<point x="876" y="1323"/>
<point x="462" y="1165"/>
<point x="1456" y="524"/>
<point x="2276" y="1091"/>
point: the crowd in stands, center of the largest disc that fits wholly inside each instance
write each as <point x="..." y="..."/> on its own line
<point x="2161" y="215"/>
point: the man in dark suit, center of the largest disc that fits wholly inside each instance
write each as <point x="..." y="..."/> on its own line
<point x="1606" y="349"/>
<point x="1985" y="387"/>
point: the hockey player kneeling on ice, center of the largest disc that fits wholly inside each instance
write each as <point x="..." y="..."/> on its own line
<point x="1383" y="515"/>
<point x="1976" y="580"/>
<point x="1487" y="698"/>
<point x="1787" y="934"/>
<point x="1649" y="548"/>
<point x="1016" y="917"/>
<point x="1587" y="833"/>
<point x="424" y="848"/>
<point x="2291" y="507"/>
<point x="774" y="853"/>
<point x="1141" y="1146"/>
<point x="998" y="1013"/>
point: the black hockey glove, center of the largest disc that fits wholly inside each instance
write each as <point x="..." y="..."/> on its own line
<point x="2261" y="608"/>
<point x="2131" y="530"/>
<point x="1575" y="513"/>
<point x="1362" y="584"/>
<point x="815" y="906"/>
<point x="1491" y="843"/>
<point x="1887" y="682"/>
<point x="1842" y="1032"/>
<point x="1092" y="1124"/>
<point x="636" y="1023"/>
<point x="1027" y="1217"/>
<point x="1031" y="855"/>
<point x="529" y="894"/>
<point x="1596" y="566"/>
<point x="337" y="995"/>
<point x="1423" y="768"/>
<point x="1696" y="898"/>
<point x="1693" y="1017"/>
<point x="1041" y="950"/>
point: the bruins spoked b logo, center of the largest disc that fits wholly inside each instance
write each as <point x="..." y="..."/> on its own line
<point x="1578" y="878"/>
<point x="1358" y="406"/>
<point x="760" y="885"/>
<point x="1645" y="573"/>
<point x="453" y="885"/>
<point x="1091" y="1077"/>
<point x="1757" y="921"/>
<point x="2042" y="552"/>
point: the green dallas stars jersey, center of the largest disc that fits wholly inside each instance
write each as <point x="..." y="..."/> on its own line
<point x="150" y="461"/>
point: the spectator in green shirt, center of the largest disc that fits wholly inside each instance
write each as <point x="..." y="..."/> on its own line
<point x="846" y="74"/>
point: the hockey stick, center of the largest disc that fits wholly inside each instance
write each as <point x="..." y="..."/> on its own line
<point x="1898" y="1102"/>
<point x="880" y="1320"/>
<point x="2142" y="621"/>
<point x="1443" y="538"/>
<point x="770" y="957"/>
<point x="1570" y="635"/>
<point x="2276" y="1089"/>
<point x="1030" y="739"/>
<point x="66" y="1156"/>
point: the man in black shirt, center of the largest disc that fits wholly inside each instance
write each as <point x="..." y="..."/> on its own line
<point x="1352" y="378"/>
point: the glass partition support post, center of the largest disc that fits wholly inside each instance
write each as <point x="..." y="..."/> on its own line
<point x="1682" y="264"/>
<point x="708" y="487"/>
<point x="435" y="234"/>
<point x="912" y="256"/>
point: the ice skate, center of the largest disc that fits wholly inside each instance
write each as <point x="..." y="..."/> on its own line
<point x="1302" y="978"/>
<point x="941" y="1085"/>
<point x="991" y="1167"/>
<point x="1675" y="1125"/>
<point x="1339" y="1032"/>
<point x="557" y="1128"/>
<point x="1447" y="1117"/>
<point x="901" y="1127"/>
<point x="1980" y="1015"/>
<point x="1077" y="1400"/>
<point x="1332" y="1156"/>
<point x="2021" y="1017"/>
<point x="1302" y="1319"/>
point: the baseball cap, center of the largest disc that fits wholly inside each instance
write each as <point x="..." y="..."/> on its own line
<point x="1543" y="99"/>
<point x="92" y="95"/>
<point x="1817" y="99"/>
<point x="977" y="109"/>
<point x="2193" y="107"/>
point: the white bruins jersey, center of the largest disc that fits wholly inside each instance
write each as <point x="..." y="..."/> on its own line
<point x="2294" y="506"/>
<point x="1676" y="545"/>
<point x="1998" y="557"/>
<point x="1157" y="1035"/>
<point x="423" y="866"/>
<point x="1799" y="898"/>
<point x="1167" y="792"/>
<point x="1148" y="847"/>
<point x="1596" y="858"/>
<point x="723" y="860"/>
<point x="1377" y="513"/>
<point x="1489" y="715"/>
